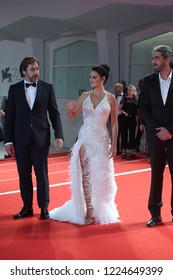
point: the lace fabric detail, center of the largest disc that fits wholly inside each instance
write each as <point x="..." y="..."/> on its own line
<point x="92" y="172"/>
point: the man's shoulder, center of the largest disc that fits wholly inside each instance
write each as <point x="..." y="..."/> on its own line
<point x="152" y="76"/>
<point x="16" y="86"/>
<point x="41" y="82"/>
<point x="44" y="85"/>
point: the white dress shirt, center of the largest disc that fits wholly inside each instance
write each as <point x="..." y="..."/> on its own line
<point x="30" y="93"/>
<point x="119" y="98"/>
<point x="164" y="86"/>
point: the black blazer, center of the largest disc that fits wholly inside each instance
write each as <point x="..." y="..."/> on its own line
<point x="153" y="110"/>
<point x="23" y="124"/>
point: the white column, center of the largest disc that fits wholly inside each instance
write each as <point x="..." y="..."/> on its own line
<point x="108" y="48"/>
<point x="37" y="47"/>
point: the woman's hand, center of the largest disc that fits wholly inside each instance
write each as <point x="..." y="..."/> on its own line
<point x="71" y="105"/>
<point x="112" y="151"/>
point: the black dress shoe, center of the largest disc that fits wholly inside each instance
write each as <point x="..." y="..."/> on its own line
<point x="123" y="156"/>
<point x="24" y="213"/>
<point x="154" y="221"/>
<point x="133" y="156"/>
<point x="7" y="156"/>
<point x="44" y="215"/>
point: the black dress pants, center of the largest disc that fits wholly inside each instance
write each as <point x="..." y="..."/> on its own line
<point x="160" y="152"/>
<point x="33" y="156"/>
<point x="128" y="129"/>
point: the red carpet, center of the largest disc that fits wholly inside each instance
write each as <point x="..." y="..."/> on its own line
<point x="33" y="239"/>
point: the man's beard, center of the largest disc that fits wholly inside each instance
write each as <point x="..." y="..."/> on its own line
<point x="156" y="69"/>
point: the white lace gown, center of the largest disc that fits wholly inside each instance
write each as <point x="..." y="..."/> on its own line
<point x="94" y="136"/>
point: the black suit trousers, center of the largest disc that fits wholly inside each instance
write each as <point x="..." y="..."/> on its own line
<point x="161" y="153"/>
<point x="128" y="129"/>
<point x="29" y="157"/>
<point x="119" y="146"/>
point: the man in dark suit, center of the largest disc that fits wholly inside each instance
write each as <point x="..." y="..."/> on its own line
<point x="119" y="94"/>
<point x="157" y="112"/>
<point x="27" y="134"/>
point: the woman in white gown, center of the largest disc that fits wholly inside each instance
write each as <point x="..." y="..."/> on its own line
<point x="92" y="171"/>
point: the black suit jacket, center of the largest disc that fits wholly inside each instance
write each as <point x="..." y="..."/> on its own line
<point x="153" y="110"/>
<point x="23" y="124"/>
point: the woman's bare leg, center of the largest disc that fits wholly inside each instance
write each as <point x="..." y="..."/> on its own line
<point x="86" y="185"/>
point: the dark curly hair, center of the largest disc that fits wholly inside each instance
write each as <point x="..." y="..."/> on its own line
<point x="25" y="62"/>
<point x="103" y="70"/>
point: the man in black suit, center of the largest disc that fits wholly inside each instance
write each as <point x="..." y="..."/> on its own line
<point x="119" y="94"/>
<point x="27" y="134"/>
<point x="157" y="112"/>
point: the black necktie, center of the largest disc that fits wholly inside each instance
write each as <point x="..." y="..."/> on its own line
<point x="28" y="85"/>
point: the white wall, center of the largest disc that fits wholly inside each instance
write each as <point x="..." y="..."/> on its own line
<point x="70" y="127"/>
<point x="11" y="55"/>
<point x="108" y="53"/>
<point x="142" y="33"/>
